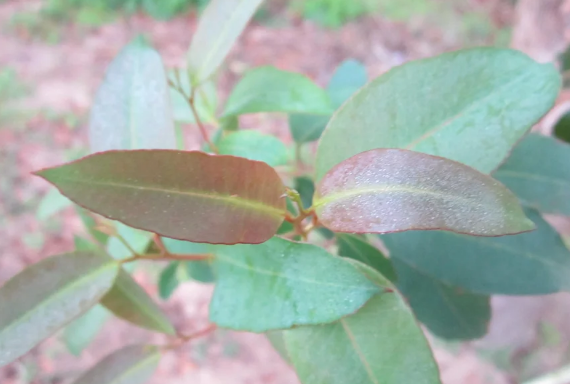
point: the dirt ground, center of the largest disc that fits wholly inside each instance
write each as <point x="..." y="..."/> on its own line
<point x="528" y="336"/>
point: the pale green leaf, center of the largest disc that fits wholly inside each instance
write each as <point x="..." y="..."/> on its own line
<point x="52" y="203"/>
<point x="82" y="331"/>
<point x="254" y="145"/>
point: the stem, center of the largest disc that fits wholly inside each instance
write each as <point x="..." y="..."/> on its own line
<point x="126" y="244"/>
<point x="168" y="257"/>
<point x="182" y="339"/>
<point x="192" y="102"/>
<point x="159" y="244"/>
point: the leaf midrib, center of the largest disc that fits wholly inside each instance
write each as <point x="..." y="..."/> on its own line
<point x="60" y="292"/>
<point x="358" y="352"/>
<point x="237" y="201"/>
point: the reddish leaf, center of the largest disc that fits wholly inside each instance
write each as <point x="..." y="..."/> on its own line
<point x="184" y="195"/>
<point x="392" y="190"/>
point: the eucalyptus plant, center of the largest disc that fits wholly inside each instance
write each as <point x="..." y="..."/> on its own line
<point x="424" y="198"/>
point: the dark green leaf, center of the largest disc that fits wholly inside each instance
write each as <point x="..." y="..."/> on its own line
<point x="531" y="263"/>
<point x="562" y="128"/>
<point x="284" y="284"/>
<point x="538" y="172"/>
<point x="448" y="312"/>
<point x="134" y="364"/>
<point x="168" y="280"/>
<point x="48" y="295"/>
<point x="268" y="89"/>
<point x="381" y="343"/>
<point x="307" y="128"/>
<point x="201" y="271"/>
<point x="187" y="195"/>
<point x="254" y="145"/>
<point x="359" y="249"/>
<point x="81" y="332"/>
<point x="306" y="189"/>
<point x="132" y="107"/>
<point x="219" y="27"/>
<point x="348" y="77"/>
<point x="471" y="106"/>
<point x="392" y="190"/>
<point x="130" y="302"/>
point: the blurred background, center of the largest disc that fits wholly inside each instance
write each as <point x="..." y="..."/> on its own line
<point x="53" y="55"/>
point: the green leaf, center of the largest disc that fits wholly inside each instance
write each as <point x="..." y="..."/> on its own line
<point x="202" y="270"/>
<point x="206" y="100"/>
<point x="278" y="343"/>
<point x="186" y="195"/>
<point x="128" y="301"/>
<point x="48" y="295"/>
<point x="348" y="77"/>
<point x="90" y="225"/>
<point x="219" y="27"/>
<point x="562" y="128"/>
<point x="268" y="89"/>
<point x="134" y="364"/>
<point x="307" y="128"/>
<point x="531" y="263"/>
<point x="538" y="172"/>
<point x="254" y="145"/>
<point x="381" y="343"/>
<point x="132" y="107"/>
<point x="52" y="203"/>
<point x="82" y="244"/>
<point x="168" y="280"/>
<point x="359" y="249"/>
<point x="306" y="189"/>
<point x="470" y="106"/>
<point x="82" y="331"/>
<point x="448" y="312"/>
<point x="137" y="239"/>
<point x="284" y="284"/>
<point x="392" y="190"/>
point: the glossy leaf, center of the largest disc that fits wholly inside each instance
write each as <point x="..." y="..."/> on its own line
<point x="284" y="284"/>
<point x="392" y="190"/>
<point x="134" y="364"/>
<point x="168" y="280"/>
<point x="132" y="106"/>
<point x="206" y="100"/>
<point x="48" y="295"/>
<point x="448" y="312"/>
<point x="268" y="89"/>
<point x="82" y="331"/>
<point x="128" y="301"/>
<point x="219" y="27"/>
<point x="538" y="172"/>
<point x="254" y="145"/>
<point x="531" y="263"/>
<point x="381" y="343"/>
<point x="562" y="128"/>
<point x="203" y="270"/>
<point x="470" y="106"/>
<point x="52" y="203"/>
<point x="359" y="249"/>
<point x="348" y="77"/>
<point x="186" y="195"/>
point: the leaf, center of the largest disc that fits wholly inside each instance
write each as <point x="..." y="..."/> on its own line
<point x="538" y="172"/>
<point x="128" y="301"/>
<point x="533" y="263"/>
<point x="90" y="225"/>
<point x="562" y="128"/>
<point x="254" y="145"/>
<point x="82" y="244"/>
<point x="219" y="27"/>
<point x="470" y="106"/>
<point x="268" y="89"/>
<point x="52" y="203"/>
<point x="278" y="343"/>
<point x="206" y="100"/>
<point x="448" y="312"/>
<point x="137" y="239"/>
<point x="132" y="107"/>
<point x="381" y="343"/>
<point x="392" y="190"/>
<point x="134" y="364"/>
<point x="284" y="284"/>
<point x="82" y="331"/>
<point x="306" y="189"/>
<point x="168" y="280"/>
<point x="359" y="249"/>
<point x="348" y="77"/>
<point x="202" y="270"/>
<point x="186" y="195"/>
<point x="48" y="295"/>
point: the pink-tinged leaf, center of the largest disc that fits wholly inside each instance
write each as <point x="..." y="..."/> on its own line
<point x="183" y="195"/>
<point x="392" y="190"/>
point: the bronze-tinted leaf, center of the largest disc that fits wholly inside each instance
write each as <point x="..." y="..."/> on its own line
<point x="392" y="190"/>
<point x="185" y="195"/>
